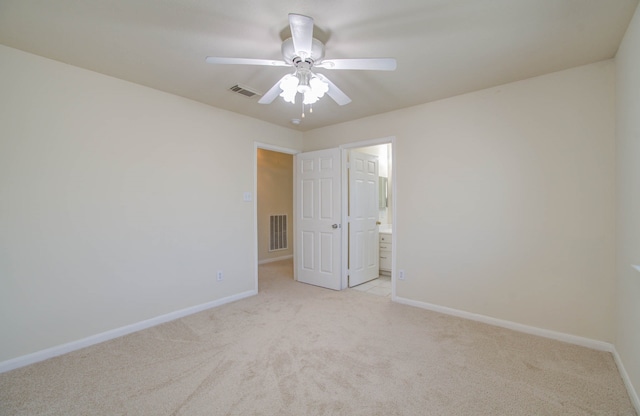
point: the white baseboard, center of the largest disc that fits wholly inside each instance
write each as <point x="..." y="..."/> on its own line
<point x="115" y="333"/>
<point x="275" y="259"/>
<point x="559" y="336"/>
<point x="635" y="400"/>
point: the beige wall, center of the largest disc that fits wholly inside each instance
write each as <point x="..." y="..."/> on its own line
<point x="275" y="197"/>
<point x="118" y="203"/>
<point x="628" y="201"/>
<point x="506" y="199"/>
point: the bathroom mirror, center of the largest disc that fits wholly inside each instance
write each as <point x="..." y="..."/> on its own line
<point x="383" y="194"/>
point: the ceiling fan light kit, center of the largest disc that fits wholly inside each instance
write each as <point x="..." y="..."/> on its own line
<point x="302" y="52"/>
<point x="303" y="81"/>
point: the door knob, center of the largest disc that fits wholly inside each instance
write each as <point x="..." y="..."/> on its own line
<point x="334" y="226"/>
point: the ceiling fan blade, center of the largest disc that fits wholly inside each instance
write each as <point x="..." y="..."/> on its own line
<point x="244" y="61"/>
<point x="334" y="92"/>
<point x="302" y="34"/>
<point x="271" y="95"/>
<point x="372" y="64"/>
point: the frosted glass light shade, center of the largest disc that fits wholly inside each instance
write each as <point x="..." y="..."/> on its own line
<point x="289" y="85"/>
<point x="312" y="92"/>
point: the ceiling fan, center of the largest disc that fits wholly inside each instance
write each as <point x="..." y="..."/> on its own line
<point x="303" y="52"/>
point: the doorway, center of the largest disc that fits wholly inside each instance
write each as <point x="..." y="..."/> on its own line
<point x="387" y="214"/>
<point x="379" y="281"/>
<point x="273" y="218"/>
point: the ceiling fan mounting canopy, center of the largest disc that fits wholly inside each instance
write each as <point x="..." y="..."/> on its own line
<point x="303" y="52"/>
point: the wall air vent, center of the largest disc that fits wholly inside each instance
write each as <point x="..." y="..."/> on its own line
<point x="278" y="232"/>
<point x="246" y="91"/>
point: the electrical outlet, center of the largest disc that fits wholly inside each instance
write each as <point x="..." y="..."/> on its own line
<point x="401" y="274"/>
<point x="219" y="275"/>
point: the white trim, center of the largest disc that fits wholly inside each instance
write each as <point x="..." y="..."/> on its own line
<point x="265" y="261"/>
<point x="115" y="333"/>
<point x="394" y="218"/>
<point x="368" y="143"/>
<point x="559" y="336"/>
<point x="635" y="400"/>
<point x="266" y="146"/>
<point x="294" y="219"/>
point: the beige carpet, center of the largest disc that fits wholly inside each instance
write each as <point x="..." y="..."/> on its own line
<point x="300" y="350"/>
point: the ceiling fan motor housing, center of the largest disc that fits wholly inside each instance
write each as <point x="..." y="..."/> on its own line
<point x="289" y="54"/>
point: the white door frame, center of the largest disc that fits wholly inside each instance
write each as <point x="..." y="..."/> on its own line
<point x="345" y="200"/>
<point x="266" y="146"/>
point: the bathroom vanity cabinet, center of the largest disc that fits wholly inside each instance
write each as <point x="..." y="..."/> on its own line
<point x="385" y="253"/>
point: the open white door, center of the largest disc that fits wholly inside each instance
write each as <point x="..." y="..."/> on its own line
<point x="318" y="216"/>
<point x="363" y="217"/>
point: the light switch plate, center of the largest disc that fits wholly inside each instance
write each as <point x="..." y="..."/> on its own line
<point x="247" y="196"/>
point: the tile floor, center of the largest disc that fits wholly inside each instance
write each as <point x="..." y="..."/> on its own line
<point x="380" y="286"/>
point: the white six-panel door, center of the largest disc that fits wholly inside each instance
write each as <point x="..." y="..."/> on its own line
<point x="318" y="216"/>
<point x="363" y="217"/>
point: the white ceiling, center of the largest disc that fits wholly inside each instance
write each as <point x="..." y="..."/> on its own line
<point x="443" y="47"/>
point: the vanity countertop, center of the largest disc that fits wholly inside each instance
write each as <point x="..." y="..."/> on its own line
<point x="385" y="229"/>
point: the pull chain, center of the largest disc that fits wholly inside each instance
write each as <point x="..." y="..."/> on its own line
<point x="310" y="109"/>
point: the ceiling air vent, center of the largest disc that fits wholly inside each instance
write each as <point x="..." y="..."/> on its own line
<point x="246" y="91"/>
